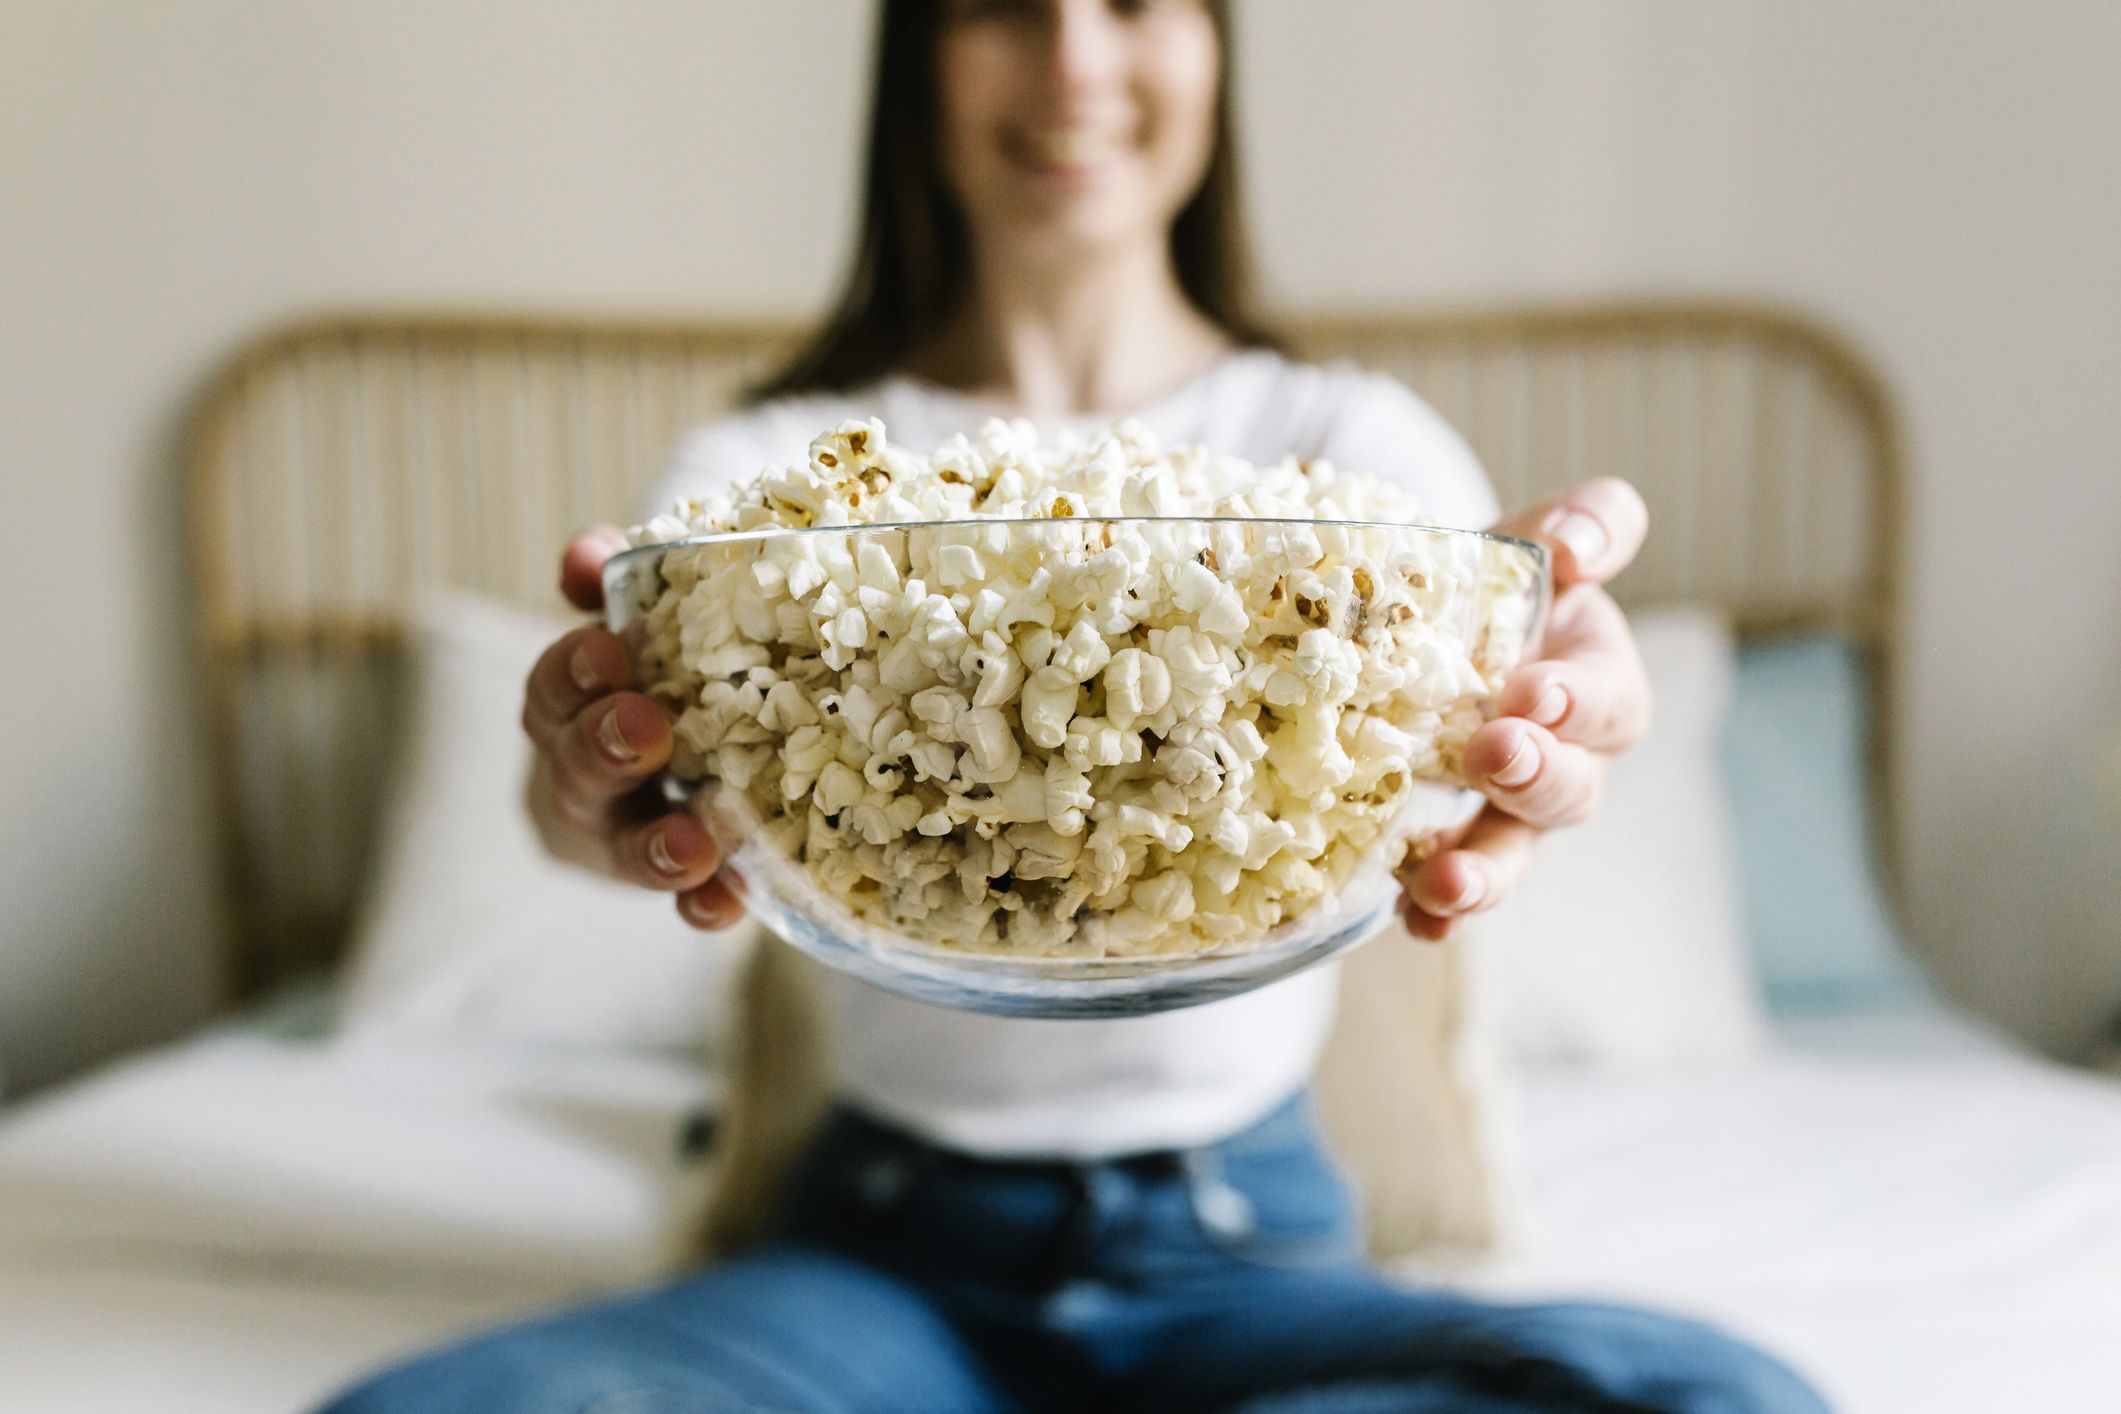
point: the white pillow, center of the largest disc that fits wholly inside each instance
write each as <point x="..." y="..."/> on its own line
<point x="1624" y="945"/>
<point x="472" y="930"/>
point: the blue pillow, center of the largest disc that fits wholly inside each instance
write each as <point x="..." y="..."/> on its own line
<point x="1822" y="933"/>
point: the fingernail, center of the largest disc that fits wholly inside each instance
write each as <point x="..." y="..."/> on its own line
<point x="1552" y="706"/>
<point x="584" y="672"/>
<point x="699" y="915"/>
<point x="1583" y="534"/>
<point x="1520" y="768"/>
<point x="1469" y="896"/>
<point x="660" y="856"/>
<point x="613" y="739"/>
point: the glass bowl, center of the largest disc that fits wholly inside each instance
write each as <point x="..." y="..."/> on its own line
<point x="1085" y="766"/>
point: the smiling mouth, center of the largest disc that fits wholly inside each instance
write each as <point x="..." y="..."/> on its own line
<point x="1070" y="148"/>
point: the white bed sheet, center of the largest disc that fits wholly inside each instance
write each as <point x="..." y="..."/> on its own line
<point x="118" y="1339"/>
<point x="1917" y="1216"/>
<point x="1921" y="1219"/>
<point x="240" y="1226"/>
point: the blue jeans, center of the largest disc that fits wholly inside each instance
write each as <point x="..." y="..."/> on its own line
<point x="902" y="1277"/>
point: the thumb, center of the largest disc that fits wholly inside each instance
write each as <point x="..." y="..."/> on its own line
<point x="1593" y="531"/>
<point x="582" y="565"/>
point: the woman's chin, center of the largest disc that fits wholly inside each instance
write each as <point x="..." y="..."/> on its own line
<point x="1082" y="223"/>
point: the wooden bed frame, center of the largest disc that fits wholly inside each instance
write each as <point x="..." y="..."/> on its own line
<point x="339" y="467"/>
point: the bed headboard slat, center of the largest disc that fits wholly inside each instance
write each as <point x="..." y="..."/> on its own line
<point x="340" y="467"/>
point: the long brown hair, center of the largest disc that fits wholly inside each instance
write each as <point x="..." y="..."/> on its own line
<point x="912" y="253"/>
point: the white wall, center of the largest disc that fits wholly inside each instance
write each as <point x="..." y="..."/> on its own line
<point x="1935" y="178"/>
<point x="177" y="176"/>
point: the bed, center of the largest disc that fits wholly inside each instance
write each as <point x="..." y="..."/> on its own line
<point x="1914" y="1211"/>
<point x="1919" y="1215"/>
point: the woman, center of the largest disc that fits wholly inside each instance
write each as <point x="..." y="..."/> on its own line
<point x="1075" y="1215"/>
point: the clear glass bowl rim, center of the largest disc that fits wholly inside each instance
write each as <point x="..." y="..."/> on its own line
<point x="620" y="563"/>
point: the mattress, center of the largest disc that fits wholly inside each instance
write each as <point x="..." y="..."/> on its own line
<point x="125" y="1337"/>
<point x="241" y="1223"/>
<point x="1920" y="1218"/>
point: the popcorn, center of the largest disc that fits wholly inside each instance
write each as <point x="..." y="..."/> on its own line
<point x="1136" y="686"/>
<point x="1048" y="706"/>
<point x="1104" y="737"/>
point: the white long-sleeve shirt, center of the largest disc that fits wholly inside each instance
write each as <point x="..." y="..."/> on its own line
<point x="1096" y="1088"/>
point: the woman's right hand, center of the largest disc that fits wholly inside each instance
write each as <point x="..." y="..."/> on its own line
<point x="599" y="747"/>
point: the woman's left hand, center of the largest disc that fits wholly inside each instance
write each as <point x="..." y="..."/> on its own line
<point x="1564" y="716"/>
